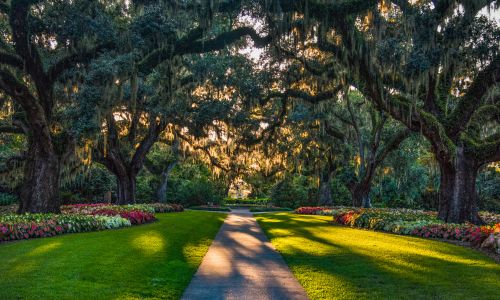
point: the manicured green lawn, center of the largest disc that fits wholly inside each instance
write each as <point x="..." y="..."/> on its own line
<point x="156" y="260"/>
<point x="334" y="262"/>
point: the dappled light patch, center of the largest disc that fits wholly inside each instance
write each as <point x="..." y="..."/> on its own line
<point x="45" y="248"/>
<point x="139" y="262"/>
<point x="24" y="267"/>
<point x="191" y="254"/>
<point x="150" y="243"/>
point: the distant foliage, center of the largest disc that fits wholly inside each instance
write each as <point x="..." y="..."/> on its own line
<point x="340" y="193"/>
<point x="192" y="184"/>
<point x="88" y="186"/>
<point x="488" y="188"/>
<point x="8" y="199"/>
<point x="293" y="191"/>
<point x="247" y="201"/>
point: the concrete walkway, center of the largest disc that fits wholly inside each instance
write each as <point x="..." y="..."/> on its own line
<point x="242" y="264"/>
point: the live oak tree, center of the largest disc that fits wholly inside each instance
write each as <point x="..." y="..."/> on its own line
<point x="350" y="136"/>
<point x="344" y="137"/>
<point x="41" y="43"/>
<point x="161" y="161"/>
<point x="371" y="136"/>
<point x="46" y="46"/>
<point x="432" y="65"/>
<point x="224" y="122"/>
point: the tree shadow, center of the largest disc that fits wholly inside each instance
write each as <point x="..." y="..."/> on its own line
<point x="154" y="260"/>
<point x="334" y="261"/>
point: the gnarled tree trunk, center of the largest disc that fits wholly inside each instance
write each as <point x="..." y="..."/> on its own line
<point x="457" y="193"/>
<point x="360" y="193"/>
<point x="126" y="187"/>
<point x="39" y="192"/>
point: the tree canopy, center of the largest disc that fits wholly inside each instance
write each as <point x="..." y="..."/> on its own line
<point x="317" y="97"/>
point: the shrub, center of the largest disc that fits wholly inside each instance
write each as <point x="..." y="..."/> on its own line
<point x="489" y="217"/>
<point x="8" y="199"/>
<point x="291" y="192"/>
<point x="89" y="186"/>
<point x="147" y="186"/>
<point x="166" y="208"/>
<point x="196" y="192"/>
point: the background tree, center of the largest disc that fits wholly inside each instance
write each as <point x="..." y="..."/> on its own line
<point x="433" y="66"/>
<point x="144" y="87"/>
<point x="38" y="54"/>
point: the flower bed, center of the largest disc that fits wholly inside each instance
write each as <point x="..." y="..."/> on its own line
<point x="414" y="222"/>
<point x="166" y="208"/>
<point x="79" y="218"/>
<point x="310" y="210"/>
<point x="147" y="208"/>
<point x="17" y="227"/>
<point x="136" y="214"/>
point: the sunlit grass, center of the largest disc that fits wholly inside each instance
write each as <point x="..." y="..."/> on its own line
<point x="334" y="262"/>
<point x="153" y="261"/>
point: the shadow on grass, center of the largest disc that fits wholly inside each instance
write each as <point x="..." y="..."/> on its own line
<point x="339" y="262"/>
<point x="149" y="261"/>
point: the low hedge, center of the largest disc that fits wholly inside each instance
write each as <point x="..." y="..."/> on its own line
<point x="247" y="201"/>
<point x="210" y="208"/>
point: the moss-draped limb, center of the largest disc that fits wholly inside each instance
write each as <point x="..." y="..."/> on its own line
<point x="26" y="50"/>
<point x="73" y="59"/>
<point x="156" y="126"/>
<point x="472" y="100"/>
<point x="329" y="10"/>
<point x="394" y="142"/>
<point x="193" y="44"/>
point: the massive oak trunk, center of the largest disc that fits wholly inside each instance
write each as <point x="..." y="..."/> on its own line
<point x="39" y="192"/>
<point x="360" y="193"/>
<point x="126" y="187"/>
<point x="126" y="177"/>
<point x="125" y="167"/>
<point x="457" y="193"/>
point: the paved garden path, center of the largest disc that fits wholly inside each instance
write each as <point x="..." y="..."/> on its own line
<point x="242" y="264"/>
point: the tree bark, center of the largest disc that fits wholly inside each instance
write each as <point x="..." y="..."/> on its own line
<point x="360" y="193"/>
<point x="457" y="193"/>
<point x="325" y="190"/>
<point x="39" y="192"/>
<point x="126" y="187"/>
<point x="162" y="191"/>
